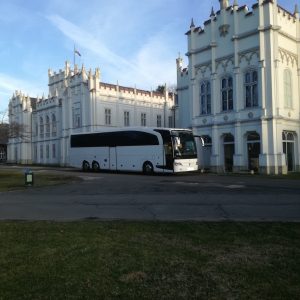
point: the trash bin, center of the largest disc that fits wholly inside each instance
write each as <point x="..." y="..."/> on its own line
<point x="28" y="177"/>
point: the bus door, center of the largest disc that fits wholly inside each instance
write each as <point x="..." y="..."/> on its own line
<point x="168" y="149"/>
<point x="112" y="158"/>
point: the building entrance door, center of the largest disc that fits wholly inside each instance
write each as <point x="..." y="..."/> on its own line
<point x="288" y="143"/>
<point x="228" y="152"/>
<point x="253" y="144"/>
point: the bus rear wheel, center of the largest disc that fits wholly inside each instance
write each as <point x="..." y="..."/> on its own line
<point x="148" y="168"/>
<point x="95" y="166"/>
<point x="85" y="166"/>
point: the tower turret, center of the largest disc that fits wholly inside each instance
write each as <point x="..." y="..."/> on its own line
<point x="296" y="11"/>
<point x="67" y="68"/>
<point x="192" y="24"/>
<point x="179" y="62"/>
<point x="224" y="4"/>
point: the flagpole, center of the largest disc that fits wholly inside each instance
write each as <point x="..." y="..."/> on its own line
<point x="74" y="57"/>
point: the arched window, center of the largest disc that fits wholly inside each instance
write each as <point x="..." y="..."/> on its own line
<point x="47" y="126"/>
<point x="205" y="98"/>
<point x="287" y="82"/>
<point x="54" y="127"/>
<point x="77" y="115"/>
<point x="36" y="129"/>
<point x="41" y="127"/>
<point x="253" y="137"/>
<point x="251" y="90"/>
<point x="227" y="93"/>
<point x="228" y="138"/>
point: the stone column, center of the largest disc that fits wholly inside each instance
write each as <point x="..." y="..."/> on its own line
<point x="216" y="147"/>
<point x="238" y="157"/>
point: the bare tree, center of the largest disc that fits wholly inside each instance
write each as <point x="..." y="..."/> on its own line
<point x="171" y="88"/>
<point x="13" y="129"/>
<point x="18" y="131"/>
<point x="4" y="129"/>
<point x="4" y="116"/>
<point x="160" y="89"/>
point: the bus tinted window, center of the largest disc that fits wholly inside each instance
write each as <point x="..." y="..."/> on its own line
<point x="114" y="139"/>
<point x="184" y="144"/>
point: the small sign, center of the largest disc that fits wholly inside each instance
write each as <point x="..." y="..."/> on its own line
<point x="28" y="177"/>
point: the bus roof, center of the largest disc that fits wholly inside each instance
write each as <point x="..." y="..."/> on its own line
<point x="136" y="128"/>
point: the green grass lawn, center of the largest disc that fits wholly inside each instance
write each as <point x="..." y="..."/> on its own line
<point x="149" y="260"/>
<point x="15" y="180"/>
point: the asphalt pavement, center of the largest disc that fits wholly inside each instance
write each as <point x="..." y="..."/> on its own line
<point x="188" y="197"/>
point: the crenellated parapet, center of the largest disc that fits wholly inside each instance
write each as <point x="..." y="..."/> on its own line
<point x="133" y="95"/>
<point x="242" y="11"/>
<point x="21" y="102"/>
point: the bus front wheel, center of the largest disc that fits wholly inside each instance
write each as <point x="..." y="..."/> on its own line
<point x="95" y="166"/>
<point x="148" y="168"/>
<point x="85" y="166"/>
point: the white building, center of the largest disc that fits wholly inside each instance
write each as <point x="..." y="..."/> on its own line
<point x="241" y="88"/>
<point x="79" y="102"/>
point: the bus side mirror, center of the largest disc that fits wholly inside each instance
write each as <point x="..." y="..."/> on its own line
<point x="201" y="139"/>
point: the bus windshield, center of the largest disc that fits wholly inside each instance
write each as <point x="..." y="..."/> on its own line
<point x="184" y="144"/>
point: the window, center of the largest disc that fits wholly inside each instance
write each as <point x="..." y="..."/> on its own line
<point x="251" y="89"/>
<point x="76" y="115"/>
<point x="54" y="127"/>
<point x="227" y="93"/>
<point x="158" y="120"/>
<point x="36" y="129"/>
<point x="287" y="81"/>
<point x="107" y="116"/>
<point x="47" y="151"/>
<point x="143" y="119"/>
<point x="47" y="126"/>
<point x="205" y="98"/>
<point x="114" y="139"/>
<point x="41" y="127"/>
<point x="53" y="151"/>
<point x="41" y="152"/>
<point x="35" y="152"/>
<point x="126" y="118"/>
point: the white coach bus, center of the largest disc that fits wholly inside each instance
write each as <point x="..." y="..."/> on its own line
<point x="146" y="150"/>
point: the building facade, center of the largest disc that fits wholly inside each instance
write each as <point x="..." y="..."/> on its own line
<point x="79" y="102"/>
<point x="241" y="88"/>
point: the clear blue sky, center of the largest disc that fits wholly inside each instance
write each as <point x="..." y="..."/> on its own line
<point x="134" y="42"/>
